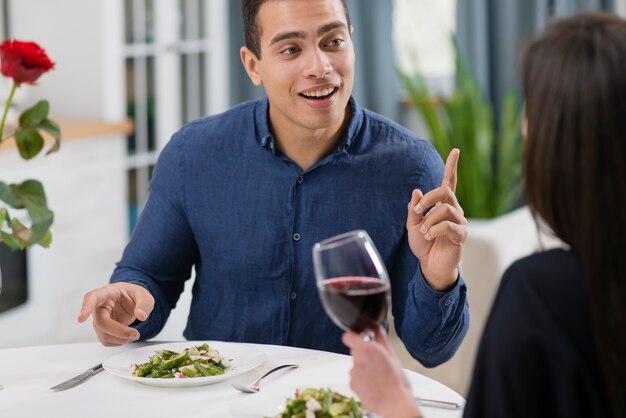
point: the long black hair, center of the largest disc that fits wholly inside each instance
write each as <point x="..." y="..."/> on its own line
<point x="574" y="79"/>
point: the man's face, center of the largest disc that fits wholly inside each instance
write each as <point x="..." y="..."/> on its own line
<point x="306" y="65"/>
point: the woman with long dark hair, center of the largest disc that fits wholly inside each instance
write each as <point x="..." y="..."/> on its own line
<point x="555" y="342"/>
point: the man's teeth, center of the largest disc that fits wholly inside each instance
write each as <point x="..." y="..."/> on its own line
<point x="319" y="93"/>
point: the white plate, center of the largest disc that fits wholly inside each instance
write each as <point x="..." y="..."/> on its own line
<point x="271" y="402"/>
<point x="243" y="358"/>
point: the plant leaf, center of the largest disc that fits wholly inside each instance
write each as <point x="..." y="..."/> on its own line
<point x="21" y="231"/>
<point x="46" y="240"/>
<point x="33" y="116"/>
<point x="12" y="242"/>
<point x="424" y="102"/>
<point x="33" y="197"/>
<point x="29" y="142"/>
<point x="53" y="129"/>
<point x="7" y="196"/>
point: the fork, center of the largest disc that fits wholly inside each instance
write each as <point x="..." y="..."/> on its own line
<point x="254" y="387"/>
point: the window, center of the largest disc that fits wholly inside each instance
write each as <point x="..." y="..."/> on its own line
<point x="174" y="59"/>
<point x="422" y="31"/>
<point x="620" y="7"/>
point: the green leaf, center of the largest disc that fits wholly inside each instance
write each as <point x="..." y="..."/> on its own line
<point x="21" y="231"/>
<point x="46" y="240"/>
<point x="12" y="242"/>
<point x="33" y="196"/>
<point x="7" y="196"/>
<point x="29" y="142"/>
<point x="29" y="195"/>
<point x="33" y="116"/>
<point x="53" y="129"/>
<point x="425" y="103"/>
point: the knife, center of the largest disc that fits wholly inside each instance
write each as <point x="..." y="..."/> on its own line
<point x="437" y="404"/>
<point x="77" y="380"/>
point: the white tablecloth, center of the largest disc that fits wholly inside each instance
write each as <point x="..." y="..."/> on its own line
<point x="27" y="374"/>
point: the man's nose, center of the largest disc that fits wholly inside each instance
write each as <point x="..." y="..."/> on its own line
<point x="319" y="65"/>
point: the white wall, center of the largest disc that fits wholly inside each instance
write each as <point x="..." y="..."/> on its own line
<point x="74" y="33"/>
<point x="85" y="185"/>
<point x="421" y="34"/>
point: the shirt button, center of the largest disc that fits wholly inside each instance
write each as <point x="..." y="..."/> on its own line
<point x="293" y="295"/>
<point x="448" y="302"/>
<point x="263" y="141"/>
<point x="296" y="237"/>
<point x="300" y="179"/>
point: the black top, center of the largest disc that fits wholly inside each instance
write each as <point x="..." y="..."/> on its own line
<point x="537" y="355"/>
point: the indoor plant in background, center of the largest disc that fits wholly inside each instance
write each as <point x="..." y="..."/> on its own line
<point x="490" y="163"/>
<point x="24" y="63"/>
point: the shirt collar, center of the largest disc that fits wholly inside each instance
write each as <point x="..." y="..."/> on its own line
<point x="265" y="138"/>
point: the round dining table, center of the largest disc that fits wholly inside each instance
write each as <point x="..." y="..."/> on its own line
<point x="28" y="373"/>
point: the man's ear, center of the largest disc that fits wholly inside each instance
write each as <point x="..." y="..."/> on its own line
<point x="250" y="61"/>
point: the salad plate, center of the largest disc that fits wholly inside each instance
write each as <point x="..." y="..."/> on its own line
<point x="272" y="402"/>
<point x="241" y="358"/>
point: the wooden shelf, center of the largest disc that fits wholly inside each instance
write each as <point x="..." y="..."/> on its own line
<point x="76" y="129"/>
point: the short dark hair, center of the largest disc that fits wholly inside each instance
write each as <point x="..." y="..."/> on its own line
<point x="251" y="29"/>
<point x="574" y="82"/>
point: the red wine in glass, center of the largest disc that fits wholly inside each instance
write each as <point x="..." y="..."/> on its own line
<point x="352" y="281"/>
<point x="358" y="303"/>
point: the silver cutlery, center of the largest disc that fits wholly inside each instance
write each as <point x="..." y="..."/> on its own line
<point x="254" y="387"/>
<point x="437" y="404"/>
<point x="77" y="380"/>
<point x="424" y="402"/>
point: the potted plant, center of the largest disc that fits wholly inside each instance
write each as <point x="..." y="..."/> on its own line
<point x="490" y="163"/>
<point x="24" y="63"/>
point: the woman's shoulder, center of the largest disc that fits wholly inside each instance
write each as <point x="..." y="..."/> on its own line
<point x="546" y="269"/>
<point x="547" y="291"/>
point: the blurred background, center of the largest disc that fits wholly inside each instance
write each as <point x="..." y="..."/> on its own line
<point x="129" y="73"/>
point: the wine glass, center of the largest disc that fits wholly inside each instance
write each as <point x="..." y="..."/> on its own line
<point x="352" y="281"/>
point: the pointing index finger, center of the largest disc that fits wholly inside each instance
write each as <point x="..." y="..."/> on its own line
<point x="449" y="175"/>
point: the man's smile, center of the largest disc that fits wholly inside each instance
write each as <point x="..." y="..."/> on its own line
<point x="320" y="93"/>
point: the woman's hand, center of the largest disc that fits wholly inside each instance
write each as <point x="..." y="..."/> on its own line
<point x="377" y="376"/>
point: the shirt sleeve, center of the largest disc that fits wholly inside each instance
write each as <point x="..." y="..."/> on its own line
<point x="431" y="324"/>
<point x="162" y="249"/>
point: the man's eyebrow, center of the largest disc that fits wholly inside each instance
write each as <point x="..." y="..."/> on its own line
<point x="330" y="27"/>
<point x="287" y="35"/>
<point x="302" y="35"/>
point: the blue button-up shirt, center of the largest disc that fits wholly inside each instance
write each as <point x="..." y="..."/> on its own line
<point x="225" y="201"/>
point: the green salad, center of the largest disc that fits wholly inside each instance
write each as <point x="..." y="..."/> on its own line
<point x="321" y="403"/>
<point x="195" y="361"/>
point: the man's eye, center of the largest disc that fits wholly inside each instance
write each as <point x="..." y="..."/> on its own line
<point x="335" y="43"/>
<point x="290" y="51"/>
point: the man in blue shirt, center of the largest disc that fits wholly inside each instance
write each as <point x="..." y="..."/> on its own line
<point x="243" y="196"/>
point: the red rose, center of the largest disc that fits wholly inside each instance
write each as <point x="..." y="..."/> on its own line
<point x="24" y="62"/>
